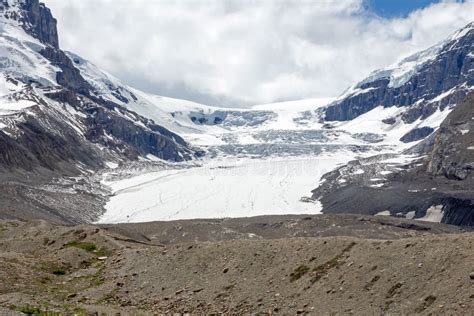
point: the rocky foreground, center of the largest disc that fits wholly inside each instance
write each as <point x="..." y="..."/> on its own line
<point x="338" y="264"/>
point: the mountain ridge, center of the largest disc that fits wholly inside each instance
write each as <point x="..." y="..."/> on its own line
<point x="421" y="78"/>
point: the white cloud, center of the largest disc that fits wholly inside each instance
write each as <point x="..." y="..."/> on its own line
<point x="247" y="52"/>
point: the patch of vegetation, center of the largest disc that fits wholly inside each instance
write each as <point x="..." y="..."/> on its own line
<point x="59" y="271"/>
<point x="5" y="226"/>
<point x="53" y="268"/>
<point x="298" y="273"/>
<point x="74" y="310"/>
<point x="323" y="269"/>
<point x="32" y="310"/>
<point x="349" y="247"/>
<point x="337" y="261"/>
<point x="387" y="304"/>
<point x="229" y="287"/>
<point x="87" y="246"/>
<point x="108" y="298"/>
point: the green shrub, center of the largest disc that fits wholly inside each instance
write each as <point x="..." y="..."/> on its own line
<point x="87" y="246"/>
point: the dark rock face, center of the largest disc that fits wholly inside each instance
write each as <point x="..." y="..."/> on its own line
<point x="106" y="125"/>
<point x="39" y="22"/>
<point x="13" y="155"/>
<point x="458" y="212"/>
<point x="422" y="148"/>
<point x="132" y="140"/>
<point x="452" y="66"/>
<point x="416" y="134"/>
<point x="37" y="148"/>
<point x="453" y="150"/>
<point x="70" y="77"/>
<point x="35" y="18"/>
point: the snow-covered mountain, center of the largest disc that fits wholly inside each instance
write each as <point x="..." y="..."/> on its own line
<point x="421" y="93"/>
<point x="45" y="99"/>
<point x="53" y="123"/>
<point x="73" y="128"/>
<point x="420" y="86"/>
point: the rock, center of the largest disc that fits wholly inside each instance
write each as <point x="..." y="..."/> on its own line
<point x="450" y="156"/>
<point x="417" y="134"/>
<point x="39" y="21"/>
<point x="471" y="275"/>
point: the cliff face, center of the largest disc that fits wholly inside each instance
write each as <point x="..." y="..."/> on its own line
<point x="453" y="150"/>
<point x="415" y="82"/>
<point x="39" y="22"/>
<point x="34" y="17"/>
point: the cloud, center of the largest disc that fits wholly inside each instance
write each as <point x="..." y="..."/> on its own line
<point x="240" y="52"/>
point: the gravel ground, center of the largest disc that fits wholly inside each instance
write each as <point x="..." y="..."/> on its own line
<point x="338" y="264"/>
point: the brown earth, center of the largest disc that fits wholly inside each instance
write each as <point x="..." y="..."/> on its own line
<point x="325" y="264"/>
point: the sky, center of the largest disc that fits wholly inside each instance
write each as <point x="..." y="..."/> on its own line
<point x="397" y="8"/>
<point x="245" y="52"/>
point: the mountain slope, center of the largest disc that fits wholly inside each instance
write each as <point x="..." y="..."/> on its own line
<point x="57" y="89"/>
<point x="431" y="92"/>
<point x="53" y="123"/>
<point x="433" y="187"/>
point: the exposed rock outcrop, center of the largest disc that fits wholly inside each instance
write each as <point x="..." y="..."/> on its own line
<point x="39" y="22"/>
<point x="453" y="151"/>
<point x="417" y="134"/>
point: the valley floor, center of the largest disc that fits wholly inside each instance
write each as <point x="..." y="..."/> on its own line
<point x="339" y="264"/>
<point x="220" y="188"/>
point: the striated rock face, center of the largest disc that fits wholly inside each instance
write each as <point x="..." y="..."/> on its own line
<point x="69" y="77"/>
<point x="35" y="18"/>
<point x="416" y="134"/>
<point x="415" y="83"/>
<point x="39" y="22"/>
<point x="453" y="150"/>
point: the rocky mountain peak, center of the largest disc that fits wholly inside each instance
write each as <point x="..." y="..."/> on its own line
<point x="67" y="123"/>
<point x="34" y="17"/>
